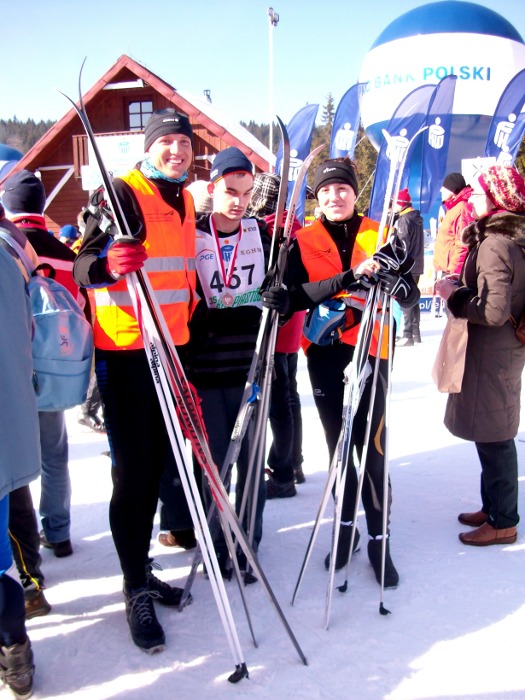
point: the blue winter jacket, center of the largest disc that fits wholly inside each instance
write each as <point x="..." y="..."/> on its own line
<point x="19" y="431"/>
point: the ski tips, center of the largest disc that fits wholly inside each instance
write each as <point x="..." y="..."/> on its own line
<point x="67" y="97"/>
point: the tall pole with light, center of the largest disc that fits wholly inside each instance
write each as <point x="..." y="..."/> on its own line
<point x="273" y="18"/>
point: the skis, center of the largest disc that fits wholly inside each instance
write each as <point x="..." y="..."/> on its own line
<point x="265" y="371"/>
<point x="252" y="391"/>
<point x="181" y="413"/>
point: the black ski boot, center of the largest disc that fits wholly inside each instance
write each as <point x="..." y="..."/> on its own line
<point x="17" y="669"/>
<point x="225" y="566"/>
<point x="276" y="489"/>
<point x="374" y="554"/>
<point x="165" y="594"/>
<point x="145" y="629"/>
<point x="343" y="546"/>
<point x="299" y="475"/>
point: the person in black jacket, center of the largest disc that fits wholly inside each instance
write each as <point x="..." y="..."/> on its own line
<point x="409" y="228"/>
<point x="334" y="258"/>
<point x="231" y="259"/>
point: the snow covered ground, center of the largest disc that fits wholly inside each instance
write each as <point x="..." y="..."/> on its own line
<point x="457" y="618"/>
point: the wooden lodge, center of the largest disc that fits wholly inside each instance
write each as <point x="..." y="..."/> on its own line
<point x="118" y="106"/>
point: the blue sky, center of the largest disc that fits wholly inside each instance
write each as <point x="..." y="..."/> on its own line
<point x="318" y="48"/>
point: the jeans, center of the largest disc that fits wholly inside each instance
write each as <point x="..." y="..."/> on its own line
<point x="499" y="482"/>
<point x="55" y="497"/>
<point x="285" y="419"/>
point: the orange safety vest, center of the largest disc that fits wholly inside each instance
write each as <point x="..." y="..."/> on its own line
<point x="170" y="267"/>
<point x="321" y="260"/>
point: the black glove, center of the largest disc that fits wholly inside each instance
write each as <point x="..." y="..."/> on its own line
<point x="394" y="284"/>
<point x="277" y="299"/>
<point x="367" y="281"/>
<point x="458" y="302"/>
<point x="393" y="256"/>
<point x="403" y="289"/>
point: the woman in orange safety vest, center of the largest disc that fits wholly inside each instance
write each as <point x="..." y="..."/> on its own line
<point x="330" y="259"/>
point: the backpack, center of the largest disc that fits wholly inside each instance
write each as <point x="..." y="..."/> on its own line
<point x="324" y="324"/>
<point x="62" y="340"/>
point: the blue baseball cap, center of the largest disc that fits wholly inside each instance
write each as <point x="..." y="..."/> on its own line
<point x="231" y="160"/>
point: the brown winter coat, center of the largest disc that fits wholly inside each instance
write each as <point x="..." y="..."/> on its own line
<point x="492" y="288"/>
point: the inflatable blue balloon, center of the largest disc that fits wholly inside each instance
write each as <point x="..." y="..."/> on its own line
<point x="423" y="46"/>
<point x="8" y="158"/>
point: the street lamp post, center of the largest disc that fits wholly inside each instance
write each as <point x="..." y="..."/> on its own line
<point x="273" y="21"/>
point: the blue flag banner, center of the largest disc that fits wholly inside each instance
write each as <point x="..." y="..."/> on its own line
<point x="507" y="127"/>
<point x="409" y="117"/>
<point x="346" y="123"/>
<point x="300" y="130"/>
<point x="435" y="144"/>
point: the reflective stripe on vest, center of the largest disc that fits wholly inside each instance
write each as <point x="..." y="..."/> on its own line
<point x="171" y="271"/>
<point x="321" y="260"/>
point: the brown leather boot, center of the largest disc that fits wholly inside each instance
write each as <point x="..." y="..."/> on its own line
<point x="473" y="519"/>
<point x="486" y="535"/>
<point x="17" y="668"/>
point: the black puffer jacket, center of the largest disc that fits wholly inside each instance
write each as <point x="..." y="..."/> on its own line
<point x="410" y="232"/>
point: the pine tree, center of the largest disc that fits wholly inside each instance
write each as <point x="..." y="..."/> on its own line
<point x="327" y="117"/>
<point x="22" y="135"/>
<point x="365" y="159"/>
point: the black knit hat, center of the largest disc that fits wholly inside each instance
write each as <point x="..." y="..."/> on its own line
<point x="264" y="195"/>
<point x="333" y="171"/>
<point x="454" y="182"/>
<point x="24" y="193"/>
<point x="164" y="122"/>
<point x="231" y="160"/>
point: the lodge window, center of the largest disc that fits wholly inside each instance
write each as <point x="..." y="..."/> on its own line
<point x="139" y="113"/>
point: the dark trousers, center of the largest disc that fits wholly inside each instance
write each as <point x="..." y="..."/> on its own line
<point x="25" y="541"/>
<point x="220" y="407"/>
<point x="326" y="365"/>
<point x="174" y="512"/>
<point x="412" y="318"/>
<point x="140" y="449"/>
<point x="285" y="419"/>
<point x="499" y="482"/>
<point x="12" y="609"/>
<point x="12" y="612"/>
<point x="93" y="403"/>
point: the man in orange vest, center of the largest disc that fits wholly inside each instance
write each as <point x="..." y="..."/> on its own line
<point x="330" y="259"/>
<point x="161" y="216"/>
